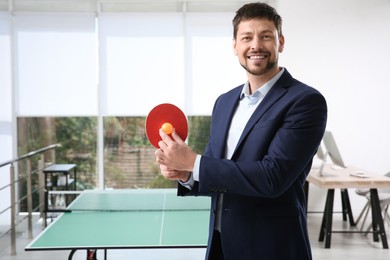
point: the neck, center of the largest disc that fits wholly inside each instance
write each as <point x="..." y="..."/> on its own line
<point x="257" y="81"/>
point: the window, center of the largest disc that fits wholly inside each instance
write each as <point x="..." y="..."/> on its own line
<point x="129" y="157"/>
<point x="78" y="138"/>
<point x="75" y="71"/>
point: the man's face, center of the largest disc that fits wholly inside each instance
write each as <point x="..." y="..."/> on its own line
<point x="257" y="46"/>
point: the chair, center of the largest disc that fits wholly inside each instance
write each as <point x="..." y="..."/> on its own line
<point x="384" y="200"/>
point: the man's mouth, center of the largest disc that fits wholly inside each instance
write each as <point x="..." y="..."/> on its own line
<point x="257" y="57"/>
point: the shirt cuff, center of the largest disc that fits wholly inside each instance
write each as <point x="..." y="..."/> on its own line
<point x="188" y="184"/>
<point x="195" y="171"/>
<point x="194" y="175"/>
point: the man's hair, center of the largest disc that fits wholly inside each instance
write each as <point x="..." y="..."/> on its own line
<point x="257" y="11"/>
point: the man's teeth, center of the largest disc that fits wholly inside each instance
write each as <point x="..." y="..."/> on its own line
<point x="256" y="57"/>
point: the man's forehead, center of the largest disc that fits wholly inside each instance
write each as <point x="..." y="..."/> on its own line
<point x="257" y="24"/>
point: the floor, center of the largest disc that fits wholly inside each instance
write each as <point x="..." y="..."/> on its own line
<point x="344" y="246"/>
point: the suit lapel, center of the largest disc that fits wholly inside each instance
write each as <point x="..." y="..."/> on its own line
<point x="225" y="119"/>
<point x="276" y="92"/>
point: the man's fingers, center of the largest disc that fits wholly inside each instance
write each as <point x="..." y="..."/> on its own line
<point x="169" y="174"/>
<point x="165" y="138"/>
<point x="176" y="137"/>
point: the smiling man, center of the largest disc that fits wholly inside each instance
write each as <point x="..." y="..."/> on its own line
<point x="263" y="137"/>
<point x="257" y="43"/>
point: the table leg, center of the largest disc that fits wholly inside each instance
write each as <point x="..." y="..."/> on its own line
<point x="329" y="218"/>
<point x="46" y="195"/>
<point x="377" y="220"/>
<point x="344" y="211"/>
<point x="66" y="188"/>
<point x="75" y="182"/>
<point x="374" y="223"/>
<point x="75" y="178"/>
<point x="326" y="226"/>
<point x="70" y="257"/>
<point x="347" y="210"/>
<point x="322" y="228"/>
<point x="91" y="254"/>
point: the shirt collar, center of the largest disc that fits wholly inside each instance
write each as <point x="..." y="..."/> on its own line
<point x="263" y="90"/>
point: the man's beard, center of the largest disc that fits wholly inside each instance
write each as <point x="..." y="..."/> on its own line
<point x="270" y="66"/>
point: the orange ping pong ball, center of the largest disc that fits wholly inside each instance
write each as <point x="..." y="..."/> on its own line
<point x="167" y="128"/>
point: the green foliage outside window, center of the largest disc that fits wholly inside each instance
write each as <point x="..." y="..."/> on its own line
<point x="129" y="160"/>
<point x="125" y="139"/>
<point x="78" y="138"/>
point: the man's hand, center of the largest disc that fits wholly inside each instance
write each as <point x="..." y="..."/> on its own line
<point x="174" y="174"/>
<point x="174" y="153"/>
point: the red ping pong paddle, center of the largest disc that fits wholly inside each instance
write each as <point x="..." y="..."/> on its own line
<point x="168" y="115"/>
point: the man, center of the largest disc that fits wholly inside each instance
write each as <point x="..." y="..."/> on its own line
<point x="263" y="137"/>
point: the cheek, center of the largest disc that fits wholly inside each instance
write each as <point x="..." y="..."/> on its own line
<point x="240" y="52"/>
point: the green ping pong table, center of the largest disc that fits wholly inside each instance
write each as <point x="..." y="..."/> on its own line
<point x="127" y="219"/>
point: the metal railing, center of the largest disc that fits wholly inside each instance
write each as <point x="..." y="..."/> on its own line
<point x="38" y="157"/>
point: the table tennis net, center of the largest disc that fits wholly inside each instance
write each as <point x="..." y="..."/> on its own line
<point x="138" y="201"/>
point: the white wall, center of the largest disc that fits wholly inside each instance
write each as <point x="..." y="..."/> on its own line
<point x="342" y="49"/>
<point x="6" y="150"/>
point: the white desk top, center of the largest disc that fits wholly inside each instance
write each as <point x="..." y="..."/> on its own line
<point x="340" y="178"/>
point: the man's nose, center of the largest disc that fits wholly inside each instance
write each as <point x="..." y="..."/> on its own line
<point x="256" y="44"/>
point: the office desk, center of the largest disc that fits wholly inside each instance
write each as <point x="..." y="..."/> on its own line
<point x="339" y="178"/>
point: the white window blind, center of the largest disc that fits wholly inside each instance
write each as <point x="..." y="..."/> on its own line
<point x="5" y="69"/>
<point x="144" y="64"/>
<point x="214" y="67"/>
<point x="143" y="59"/>
<point x="56" y="65"/>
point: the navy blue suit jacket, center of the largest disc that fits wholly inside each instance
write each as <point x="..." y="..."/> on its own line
<point x="264" y="211"/>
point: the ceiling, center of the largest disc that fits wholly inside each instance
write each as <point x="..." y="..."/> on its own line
<point x="89" y="6"/>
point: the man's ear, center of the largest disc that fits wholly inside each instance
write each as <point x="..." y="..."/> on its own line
<point x="234" y="47"/>
<point x="281" y="43"/>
